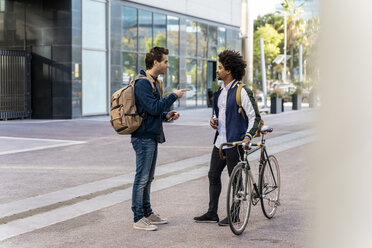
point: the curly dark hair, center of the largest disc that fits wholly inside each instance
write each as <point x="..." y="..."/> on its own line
<point x="234" y="62"/>
<point x="156" y="53"/>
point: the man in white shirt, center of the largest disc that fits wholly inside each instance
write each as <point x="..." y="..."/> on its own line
<point x="231" y="125"/>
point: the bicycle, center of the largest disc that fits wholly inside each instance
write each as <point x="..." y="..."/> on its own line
<point x="240" y="195"/>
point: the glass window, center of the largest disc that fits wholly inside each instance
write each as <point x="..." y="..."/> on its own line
<point x="202" y="83"/>
<point x="94" y="24"/>
<point x="212" y="42"/>
<point x="191" y="38"/>
<point x="94" y="86"/>
<point x="172" y="79"/>
<point x="129" y="67"/>
<point x="129" y="39"/>
<point x="160" y="23"/>
<point x="191" y="82"/>
<point x="202" y="40"/>
<point x="173" y="29"/>
<point x="221" y="36"/>
<point x="233" y="41"/>
<point x="237" y="41"/>
<point x="2" y="5"/>
<point x="145" y="31"/>
<point x="141" y="62"/>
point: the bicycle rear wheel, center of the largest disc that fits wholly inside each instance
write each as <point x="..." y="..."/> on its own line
<point x="270" y="187"/>
<point x="238" y="199"/>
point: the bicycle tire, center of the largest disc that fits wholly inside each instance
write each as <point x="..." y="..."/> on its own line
<point x="238" y="202"/>
<point x="269" y="187"/>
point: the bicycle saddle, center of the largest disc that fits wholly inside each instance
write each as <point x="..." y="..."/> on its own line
<point x="266" y="129"/>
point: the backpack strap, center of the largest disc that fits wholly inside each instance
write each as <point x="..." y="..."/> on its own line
<point x="239" y="99"/>
<point x="148" y="77"/>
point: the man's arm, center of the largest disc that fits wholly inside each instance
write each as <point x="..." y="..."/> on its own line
<point x="251" y="110"/>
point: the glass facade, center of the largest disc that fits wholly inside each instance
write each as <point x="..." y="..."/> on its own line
<point x="143" y="29"/>
<point x="160" y="29"/>
<point x="129" y="39"/>
<point x="191" y="96"/>
<point x="191" y="28"/>
<point x="173" y="34"/>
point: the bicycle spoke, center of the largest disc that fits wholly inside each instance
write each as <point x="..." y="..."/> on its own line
<point x="270" y="187"/>
<point x="238" y="199"/>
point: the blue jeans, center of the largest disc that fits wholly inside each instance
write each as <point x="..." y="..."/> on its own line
<point x="146" y="155"/>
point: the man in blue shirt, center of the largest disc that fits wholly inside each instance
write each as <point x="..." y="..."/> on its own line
<point x="230" y="124"/>
<point x="145" y="139"/>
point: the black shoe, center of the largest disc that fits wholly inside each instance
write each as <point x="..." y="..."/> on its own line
<point x="207" y="218"/>
<point x="223" y="222"/>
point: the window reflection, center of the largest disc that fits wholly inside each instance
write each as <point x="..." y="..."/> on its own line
<point x="129" y="39"/>
<point x="173" y="29"/>
<point x="191" y="38"/>
<point x="202" y="41"/>
<point x="191" y="82"/>
<point x="129" y="67"/>
<point x="212" y="42"/>
<point x="172" y="80"/>
<point x="145" y="31"/>
<point x="221" y="34"/>
<point x="202" y="83"/>
<point x="160" y="24"/>
<point x="141" y="62"/>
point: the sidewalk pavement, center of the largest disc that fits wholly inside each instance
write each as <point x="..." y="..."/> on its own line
<point x="78" y="192"/>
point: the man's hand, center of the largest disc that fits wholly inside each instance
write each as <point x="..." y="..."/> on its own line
<point x="172" y="115"/>
<point x="246" y="141"/>
<point x="180" y="92"/>
<point x="214" y="123"/>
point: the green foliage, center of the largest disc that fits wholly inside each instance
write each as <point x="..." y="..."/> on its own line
<point x="277" y="93"/>
<point x="271" y="41"/>
<point x="274" y="19"/>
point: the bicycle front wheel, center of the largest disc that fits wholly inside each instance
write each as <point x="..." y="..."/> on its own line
<point x="270" y="187"/>
<point x="239" y="199"/>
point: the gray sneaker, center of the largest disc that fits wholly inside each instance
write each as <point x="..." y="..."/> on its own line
<point x="145" y="225"/>
<point x="156" y="219"/>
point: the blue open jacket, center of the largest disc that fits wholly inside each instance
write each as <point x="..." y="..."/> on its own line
<point x="152" y="107"/>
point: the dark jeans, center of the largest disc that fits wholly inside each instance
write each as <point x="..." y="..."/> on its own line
<point x="216" y="167"/>
<point x="146" y="154"/>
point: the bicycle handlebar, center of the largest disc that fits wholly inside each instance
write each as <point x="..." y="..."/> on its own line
<point x="236" y="143"/>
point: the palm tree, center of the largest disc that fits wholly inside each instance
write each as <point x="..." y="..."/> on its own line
<point x="292" y="13"/>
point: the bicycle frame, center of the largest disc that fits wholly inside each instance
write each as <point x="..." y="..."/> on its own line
<point x="264" y="157"/>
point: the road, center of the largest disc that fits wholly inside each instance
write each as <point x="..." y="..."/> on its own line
<point x="67" y="183"/>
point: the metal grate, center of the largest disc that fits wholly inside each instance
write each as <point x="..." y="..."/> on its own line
<point x="15" y="84"/>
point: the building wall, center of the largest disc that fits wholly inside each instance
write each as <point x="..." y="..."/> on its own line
<point x="43" y="28"/>
<point x="222" y="11"/>
<point x="53" y="32"/>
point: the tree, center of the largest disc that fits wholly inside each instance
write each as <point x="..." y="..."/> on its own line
<point x="309" y="39"/>
<point x="274" y="19"/>
<point x="272" y="38"/>
<point x="293" y="13"/>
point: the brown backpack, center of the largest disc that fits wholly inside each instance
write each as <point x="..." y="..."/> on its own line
<point x="124" y="117"/>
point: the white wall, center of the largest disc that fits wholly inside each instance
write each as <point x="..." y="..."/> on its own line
<point x="223" y="11"/>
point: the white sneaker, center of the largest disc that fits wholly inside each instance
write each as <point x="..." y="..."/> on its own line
<point x="156" y="219"/>
<point x="145" y="225"/>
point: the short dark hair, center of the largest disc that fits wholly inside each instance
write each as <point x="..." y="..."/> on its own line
<point x="156" y="53"/>
<point x="234" y="62"/>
